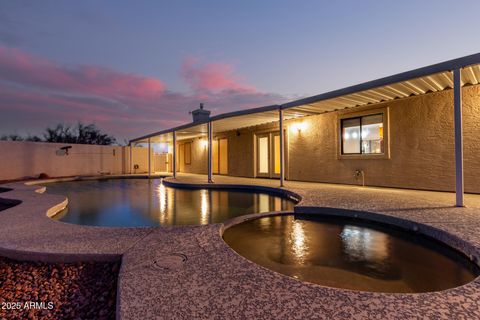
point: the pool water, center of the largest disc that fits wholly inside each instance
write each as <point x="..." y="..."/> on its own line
<point x="345" y="253"/>
<point x="8" y="203"/>
<point x="147" y="202"/>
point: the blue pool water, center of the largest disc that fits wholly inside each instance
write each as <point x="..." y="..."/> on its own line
<point x="147" y="202"/>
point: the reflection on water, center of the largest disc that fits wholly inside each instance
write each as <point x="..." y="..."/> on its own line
<point x="204" y="211"/>
<point x="297" y="238"/>
<point x="369" y="250"/>
<point x="143" y="202"/>
<point x="347" y="254"/>
<point x="162" y="197"/>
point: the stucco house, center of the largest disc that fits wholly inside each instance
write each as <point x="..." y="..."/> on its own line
<point x="418" y="129"/>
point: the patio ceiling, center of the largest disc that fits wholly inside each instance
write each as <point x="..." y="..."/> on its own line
<point x="185" y="132"/>
<point x="434" y="78"/>
<point x="247" y="118"/>
<point x="223" y="122"/>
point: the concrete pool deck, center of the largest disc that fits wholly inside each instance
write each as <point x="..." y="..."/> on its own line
<point x="189" y="272"/>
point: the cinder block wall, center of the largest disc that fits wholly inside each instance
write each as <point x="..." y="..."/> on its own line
<point x="22" y="159"/>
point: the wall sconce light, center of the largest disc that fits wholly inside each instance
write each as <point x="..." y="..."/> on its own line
<point x="63" y="151"/>
<point x="298" y="126"/>
<point x="204" y="143"/>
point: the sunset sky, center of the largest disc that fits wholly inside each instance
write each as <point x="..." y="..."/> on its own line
<point x="134" y="67"/>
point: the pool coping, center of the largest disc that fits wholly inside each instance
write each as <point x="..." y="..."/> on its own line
<point x="127" y="242"/>
<point x="272" y="190"/>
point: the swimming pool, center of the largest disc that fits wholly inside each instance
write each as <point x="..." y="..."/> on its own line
<point x="349" y="253"/>
<point x="148" y="202"/>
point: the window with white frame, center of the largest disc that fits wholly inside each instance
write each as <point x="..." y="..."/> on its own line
<point x="363" y="135"/>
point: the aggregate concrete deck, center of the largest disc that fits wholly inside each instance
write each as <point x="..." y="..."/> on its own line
<point x="190" y="273"/>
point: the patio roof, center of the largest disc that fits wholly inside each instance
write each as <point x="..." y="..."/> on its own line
<point x="434" y="78"/>
<point x="221" y="123"/>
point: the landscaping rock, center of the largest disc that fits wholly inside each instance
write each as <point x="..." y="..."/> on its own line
<point x="34" y="290"/>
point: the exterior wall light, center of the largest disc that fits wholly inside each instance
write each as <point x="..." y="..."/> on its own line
<point x="298" y="126"/>
<point x="63" y="151"/>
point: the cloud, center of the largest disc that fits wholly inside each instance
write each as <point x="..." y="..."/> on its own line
<point x="36" y="93"/>
<point x="212" y="77"/>
<point x="19" y="67"/>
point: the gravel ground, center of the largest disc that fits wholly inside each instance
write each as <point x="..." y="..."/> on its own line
<point x="85" y="290"/>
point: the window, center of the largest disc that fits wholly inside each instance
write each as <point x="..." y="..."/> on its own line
<point x="263" y="147"/>
<point x="363" y="135"/>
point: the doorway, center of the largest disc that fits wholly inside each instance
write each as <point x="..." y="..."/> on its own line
<point x="268" y="155"/>
<point x="220" y="156"/>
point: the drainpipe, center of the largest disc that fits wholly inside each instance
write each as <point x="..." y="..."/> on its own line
<point x="174" y="160"/>
<point x="149" y="158"/>
<point x="457" y="107"/>
<point x="282" y="160"/>
<point x="210" y="163"/>
<point x="131" y="158"/>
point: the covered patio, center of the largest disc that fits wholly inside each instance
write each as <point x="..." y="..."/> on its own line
<point x="449" y="75"/>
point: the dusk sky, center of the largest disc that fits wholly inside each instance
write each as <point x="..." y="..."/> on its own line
<point x="134" y="67"/>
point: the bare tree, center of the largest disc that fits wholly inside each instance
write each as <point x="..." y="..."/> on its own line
<point x="90" y="134"/>
<point x="61" y="133"/>
<point x="81" y="133"/>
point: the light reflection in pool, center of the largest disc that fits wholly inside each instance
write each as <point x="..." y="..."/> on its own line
<point x="204" y="206"/>
<point x="162" y="197"/>
<point x="364" y="244"/>
<point x="145" y="202"/>
<point x="343" y="253"/>
<point x="297" y="237"/>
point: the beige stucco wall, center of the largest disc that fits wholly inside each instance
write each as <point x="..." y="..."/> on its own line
<point x="20" y="159"/>
<point x="158" y="162"/>
<point x="241" y="153"/>
<point x="140" y="158"/>
<point x="199" y="157"/>
<point x="471" y="131"/>
<point x="421" y="146"/>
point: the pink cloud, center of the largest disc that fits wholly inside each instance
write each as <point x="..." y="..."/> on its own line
<point x="36" y="93"/>
<point x="212" y="77"/>
<point x="17" y="66"/>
